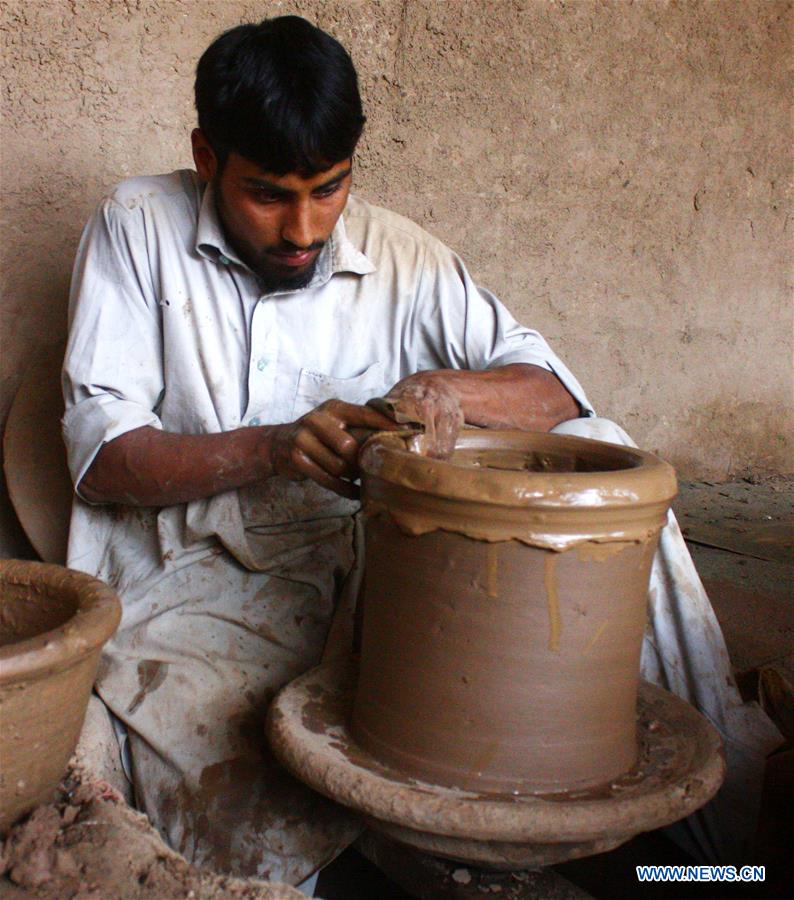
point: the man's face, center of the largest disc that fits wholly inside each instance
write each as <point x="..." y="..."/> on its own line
<point x="278" y="224"/>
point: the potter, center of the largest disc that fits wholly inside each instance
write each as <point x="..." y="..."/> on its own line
<point x="228" y="326"/>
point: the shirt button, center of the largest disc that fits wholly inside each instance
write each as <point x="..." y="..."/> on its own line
<point x="255" y="421"/>
<point x="224" y="260"/>
<point x="261" y="363"/>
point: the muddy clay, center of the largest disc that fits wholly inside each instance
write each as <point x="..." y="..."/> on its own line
<point x="504" y="608"/>
<point x="90" y="844"/>
<point x="543" y="490"/>
<point x="53" y="623"/>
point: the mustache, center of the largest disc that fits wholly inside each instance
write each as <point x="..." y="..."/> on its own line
<point x="287" y="247"/>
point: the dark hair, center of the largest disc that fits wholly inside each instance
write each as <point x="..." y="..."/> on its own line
<point x="283" y="94"/>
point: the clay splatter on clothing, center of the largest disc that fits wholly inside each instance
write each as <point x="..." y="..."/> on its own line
<point x="151" y="674"/>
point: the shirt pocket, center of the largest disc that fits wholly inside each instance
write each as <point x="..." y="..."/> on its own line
<point x="315" y="388"/>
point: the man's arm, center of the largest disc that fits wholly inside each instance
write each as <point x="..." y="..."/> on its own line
<point x="522" y="396"/>
<point x="149" y="467"/>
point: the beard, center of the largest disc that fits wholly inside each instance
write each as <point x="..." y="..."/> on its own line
<point x="273" y="276"/>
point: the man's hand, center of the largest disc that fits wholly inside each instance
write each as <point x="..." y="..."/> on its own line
<point x="429" y="400"/>
<point x="150" y="467"/>
<point x="323" y="446"/>
<point x="520" y="396"/>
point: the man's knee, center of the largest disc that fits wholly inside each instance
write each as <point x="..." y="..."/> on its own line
<point x="596" y="429"/>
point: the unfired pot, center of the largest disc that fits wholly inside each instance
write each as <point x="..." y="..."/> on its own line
<point x="504" y="607"/>
<point x="53" y="623"/>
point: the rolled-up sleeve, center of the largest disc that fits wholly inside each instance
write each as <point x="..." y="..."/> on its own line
<point x="476" y="331"/>
<point x="113" y="373"/>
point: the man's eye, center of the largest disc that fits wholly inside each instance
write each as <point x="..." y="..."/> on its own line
<point x="265" y="196"/>
<point x="328" y="191"/>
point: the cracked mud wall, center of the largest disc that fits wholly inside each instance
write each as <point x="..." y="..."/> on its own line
<point x="617" y="173"/>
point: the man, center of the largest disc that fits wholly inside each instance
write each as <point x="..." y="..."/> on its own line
<point x="227" y="328"/>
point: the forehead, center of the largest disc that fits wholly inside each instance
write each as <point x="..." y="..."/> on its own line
<point x="239" y="167"/>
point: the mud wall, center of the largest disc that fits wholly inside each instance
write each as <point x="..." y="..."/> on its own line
<point x="616" y="172"/>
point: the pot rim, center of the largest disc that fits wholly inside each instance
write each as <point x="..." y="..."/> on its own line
<point x="643" y="479"/>
<point x="96" y="618"/>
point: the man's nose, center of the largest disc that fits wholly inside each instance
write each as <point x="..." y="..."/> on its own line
<point x="297" y="228"/>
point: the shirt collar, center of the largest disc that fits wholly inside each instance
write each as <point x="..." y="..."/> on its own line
<point x="338" y="255"/>
<point x="347" y="257"/>
<point x="210" y="240"/>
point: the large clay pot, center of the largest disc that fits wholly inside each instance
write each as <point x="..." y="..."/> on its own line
<point x="53" y="623"/>
<point x="504" y="608"/>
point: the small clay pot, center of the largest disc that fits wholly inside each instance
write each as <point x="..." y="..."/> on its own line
<point x="504" y="605"/>
<point x="53" y="623"/>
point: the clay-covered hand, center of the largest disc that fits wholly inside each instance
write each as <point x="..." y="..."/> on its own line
<point x="320" y="445"/>
<point x="429" y="400"/>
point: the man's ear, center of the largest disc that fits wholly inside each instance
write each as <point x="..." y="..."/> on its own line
<point x="203" y="155"/>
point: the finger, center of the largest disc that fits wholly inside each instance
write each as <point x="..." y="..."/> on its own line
<point x="345" y="442"/>
<point x="382" y="405"/>
<point x="310" y="469"/>
<point x="360" y="416"/>
<point x="328" y="447"/>
<point x="331" y="434"/>
<point x="408" y="403"/>
<point x="446" y="421"/>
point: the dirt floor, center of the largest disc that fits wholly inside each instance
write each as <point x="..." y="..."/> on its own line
<point x="89" y="844"/>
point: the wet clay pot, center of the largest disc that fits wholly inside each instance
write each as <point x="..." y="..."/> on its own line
<point x="53" y="623"/>
<point x="504" y="608"/>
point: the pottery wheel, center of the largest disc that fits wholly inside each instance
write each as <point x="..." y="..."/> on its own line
<point x="680" y="768"/>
